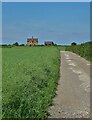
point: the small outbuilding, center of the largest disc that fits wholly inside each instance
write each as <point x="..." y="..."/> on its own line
<point x="48" y="43"/>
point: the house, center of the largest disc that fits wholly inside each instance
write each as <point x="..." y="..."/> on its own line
<point x="48" y="43"/>
<point x="32" y="41"/>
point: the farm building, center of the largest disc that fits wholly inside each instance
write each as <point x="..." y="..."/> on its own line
<point x="47" y="43"/>
<point x="32" y="41"/>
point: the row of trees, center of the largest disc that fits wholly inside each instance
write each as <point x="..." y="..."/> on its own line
<point x="17" y="44"/>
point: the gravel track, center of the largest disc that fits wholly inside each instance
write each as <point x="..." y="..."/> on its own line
<point x="73" y="92"/>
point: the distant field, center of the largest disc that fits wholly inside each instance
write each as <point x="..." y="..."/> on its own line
<point x="30" y="76"/>
<point x="84" y="50"/>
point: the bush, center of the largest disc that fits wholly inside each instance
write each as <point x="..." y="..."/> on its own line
<point x="84" y="50"/>
<point x="73" y="43"/>
<point x="16" y="44"/>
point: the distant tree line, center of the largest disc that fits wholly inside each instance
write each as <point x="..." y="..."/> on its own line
<point x="12" y="45"/>
<point x="17" y="44"/>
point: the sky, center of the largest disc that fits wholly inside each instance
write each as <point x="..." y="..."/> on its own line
<point x="60" y="22"/>
<point x="46" y="0"/>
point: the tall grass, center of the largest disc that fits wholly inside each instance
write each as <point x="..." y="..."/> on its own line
<point x="84" y="50"/>
<point x="0" y="83"/>
<point x="29" y="81"/>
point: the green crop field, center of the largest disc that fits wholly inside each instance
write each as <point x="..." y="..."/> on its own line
<point x="84" y="50"/>
<point x="29" y="80"/>
<point x="30" y="76"/>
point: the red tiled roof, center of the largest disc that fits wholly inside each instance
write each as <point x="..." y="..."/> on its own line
<point x="30" y="39"/>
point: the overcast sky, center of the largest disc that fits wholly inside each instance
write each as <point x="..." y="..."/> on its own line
<point x="62" y="23"/>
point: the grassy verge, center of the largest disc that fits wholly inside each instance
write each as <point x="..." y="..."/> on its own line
<point x="0" y="83"/>
<point x="29" y="81"/>
<point x="84" y="50"/>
